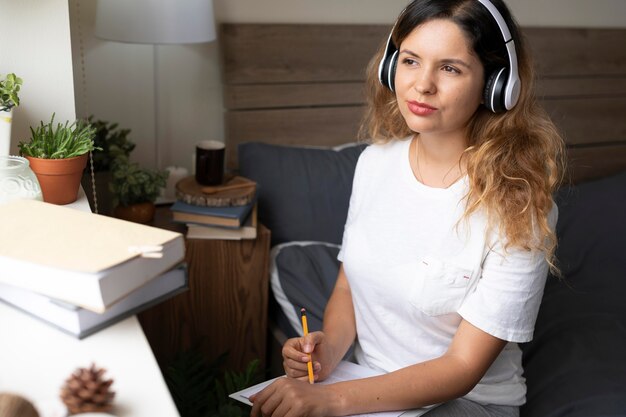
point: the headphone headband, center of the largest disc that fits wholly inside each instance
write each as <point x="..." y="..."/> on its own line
<point x="500" y="93"/>
<point x="512" y="87"/>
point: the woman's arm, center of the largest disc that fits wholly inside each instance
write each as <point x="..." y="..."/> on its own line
<point x="450" y="376"/>
<point x="329" y="346"/>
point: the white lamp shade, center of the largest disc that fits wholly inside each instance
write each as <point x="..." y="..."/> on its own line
<point x="155" y="21"/>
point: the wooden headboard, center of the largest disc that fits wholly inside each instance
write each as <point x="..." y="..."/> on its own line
<point x="302" y="85"/>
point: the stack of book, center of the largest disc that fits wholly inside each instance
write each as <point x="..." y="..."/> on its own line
<point x="210" y="222"/>
<point x="80" y="271"/>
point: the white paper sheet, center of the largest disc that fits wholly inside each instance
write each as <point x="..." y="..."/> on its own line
<point x="345" y="371"/>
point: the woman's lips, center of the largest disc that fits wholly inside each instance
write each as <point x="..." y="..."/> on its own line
<point x="421" y="109"/>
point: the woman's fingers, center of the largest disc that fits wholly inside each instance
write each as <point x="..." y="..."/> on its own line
<point x="298" y="352"/>
<point x="260" y="398"/>
<point x="294" y="368"/>
<point x="310" y="341"/>
<point x="293" y="350"/>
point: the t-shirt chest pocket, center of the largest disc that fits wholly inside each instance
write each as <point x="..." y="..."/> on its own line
<point x="440" y="287"/>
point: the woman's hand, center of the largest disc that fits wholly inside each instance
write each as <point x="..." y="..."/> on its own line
<point x="292" y="398"/>
<point x="296" y="353"/>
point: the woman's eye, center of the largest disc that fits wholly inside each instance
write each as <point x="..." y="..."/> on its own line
<point x="448" y="68"/>
<point x="409" y="61"/>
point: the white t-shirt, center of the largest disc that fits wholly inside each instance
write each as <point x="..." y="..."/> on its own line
<point x="415" y="271"/>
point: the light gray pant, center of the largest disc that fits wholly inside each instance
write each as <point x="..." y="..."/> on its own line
<point x="466" y="408"/>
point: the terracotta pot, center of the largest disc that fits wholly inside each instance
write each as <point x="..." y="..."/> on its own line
<point x="59" y="178"/>
<point x="138" y="213"/>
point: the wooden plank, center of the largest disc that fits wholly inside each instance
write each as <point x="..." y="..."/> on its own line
<point x="271" y="53"/>
<point x="550" y="88"/>
<point x="266" y="96"/>
<point x="280" y="53"/>
<point x="576" y="52"/>
<point x="333" y="94"/>
<point x="584" y="121"/>
<point x="315" y="126"/>
<point x="596" y="162"/>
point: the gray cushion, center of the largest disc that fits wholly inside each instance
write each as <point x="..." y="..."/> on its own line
<point x="303" y="193"/>
<point x="303" y="274"/>
<point x="575" y="366"/>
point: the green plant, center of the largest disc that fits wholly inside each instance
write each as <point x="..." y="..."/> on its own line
<point x="112" y="141"/>
<point x="60" y="142"/>
<point x="200" y="389"/>
<point x="131" y="184"/>
<point x="9" y="89"/>
<point x="222" y="405"/>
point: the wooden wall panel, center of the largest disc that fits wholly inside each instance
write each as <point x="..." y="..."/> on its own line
<point x="267" y="96"/>
<point x="585" y="121"/>
<point x="581" y="87"/>
<point x="587" y="163"/>
<point x="303" y="84"/>
<point x="577" y="52"/>
<point x="256" y="53"/>
<point x="326" y="126"/>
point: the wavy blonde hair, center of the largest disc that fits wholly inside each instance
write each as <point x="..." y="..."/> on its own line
<point x="515" y="159"/>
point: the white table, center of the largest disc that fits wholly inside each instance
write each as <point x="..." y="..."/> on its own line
<point x="35" y="360"/>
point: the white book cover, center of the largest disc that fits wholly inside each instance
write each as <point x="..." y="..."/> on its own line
<point x="80" y="322"/>
<point x="83" y="258"/>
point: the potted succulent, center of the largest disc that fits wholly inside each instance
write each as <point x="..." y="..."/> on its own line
<point x="58" y="154"/>
<point x="112" y="142"/>
<point x="135" y="190"/>
<point x="9" y="98"/>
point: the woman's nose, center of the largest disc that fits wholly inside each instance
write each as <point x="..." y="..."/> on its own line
<point x="425" y="83"/>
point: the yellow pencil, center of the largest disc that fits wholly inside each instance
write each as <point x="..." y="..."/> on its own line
<point x="305" y="327"/>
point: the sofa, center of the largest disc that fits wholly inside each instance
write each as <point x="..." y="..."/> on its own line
<point x="576" y="364"/>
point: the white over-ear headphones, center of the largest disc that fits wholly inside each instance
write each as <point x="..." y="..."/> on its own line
<point x="502" y="86"/>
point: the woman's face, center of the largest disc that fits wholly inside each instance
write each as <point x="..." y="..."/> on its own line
<point x="439" y="81"/>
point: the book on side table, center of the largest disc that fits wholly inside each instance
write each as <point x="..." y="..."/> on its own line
<point x="80" y="322"/>
<point x="247" y="231"/>
<point x="232" y="216"/>
<point x="85" y="259"/>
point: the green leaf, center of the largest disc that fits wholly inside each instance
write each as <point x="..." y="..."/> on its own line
<point x="60" y="141"/>
<point x="9" y="88"/>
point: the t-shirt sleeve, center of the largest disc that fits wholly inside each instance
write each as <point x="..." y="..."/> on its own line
<point x="355" y="198"/>
<point x="506" y="299"/>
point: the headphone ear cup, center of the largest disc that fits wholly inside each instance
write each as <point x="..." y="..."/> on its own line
<point x="493" y="95"/>
<point x="393" y="64"/>
<point x="387" y="71"/>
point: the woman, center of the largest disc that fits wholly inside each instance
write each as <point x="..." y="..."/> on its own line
<point x="450" y="230"/>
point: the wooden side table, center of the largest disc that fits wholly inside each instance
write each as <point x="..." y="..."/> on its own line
<point x="225" y="308"/>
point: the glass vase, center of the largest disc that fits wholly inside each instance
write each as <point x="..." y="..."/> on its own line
<point x="17" y="180"/>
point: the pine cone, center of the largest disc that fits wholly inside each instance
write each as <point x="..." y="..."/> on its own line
<point x="86" y="391"/>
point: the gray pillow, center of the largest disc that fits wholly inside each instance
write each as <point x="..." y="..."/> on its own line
<point x="575" y="364"/>
<point x="303" y="192"/>
<point x="303" y="274"/>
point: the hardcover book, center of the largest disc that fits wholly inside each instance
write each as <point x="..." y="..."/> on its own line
<point x="233" y="216"/>
<point x="247" y="231"/>
<point x="80" y="322"/>
<point x="79" y="257"/>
